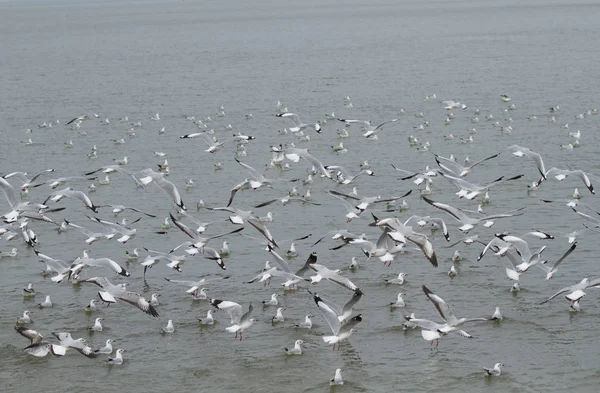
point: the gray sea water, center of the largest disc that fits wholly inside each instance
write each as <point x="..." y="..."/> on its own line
<point x="61" y="59"/>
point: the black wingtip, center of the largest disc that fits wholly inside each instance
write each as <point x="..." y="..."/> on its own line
<point x="152" y="311"/>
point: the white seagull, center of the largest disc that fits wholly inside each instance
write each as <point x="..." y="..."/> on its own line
<point x="110" y="293"/>
<point x="494" y="371"/>
<point x="340" y="331"/>
<point x="118" y="359"/>
<point x="298" y="124"/>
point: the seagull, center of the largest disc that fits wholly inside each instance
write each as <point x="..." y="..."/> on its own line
<point x="470" y="222"/>
<point x="291" y="252"/>
<point x="278" y="316"/>
<point x="453" y="272"/>
<point x="496" y="316"/>
<point x="451" y="105"/>
<point x="306" y="324"/>
<point x="79" y="345"/>
<point x="494" y="371"/>
<point x="154" y="300"/>
<point x="11" y="253"/>
<point x="456" y="257"/>
<point x="561" y="174"/>
<point x="370" y="131"/>
<point x="97" y="327"/>
<point x="115" y="228"/>
<point x="324" y="272"/>
<point x="118" y="359"/>
<point x="91" y="307"/>
<point x="241" y="324"/>
<point x="238" y="216"/>
<point x="452" y="167"/>
<point x="79" y="263"/>
<point x="117" y="209"/>
<point x="396" y="230"/>
<point x="78" y="119"/>
<point x="294" y="154"/>
<point x="147" y="176"/>
<point x="92" y="236"/>
<point x="110" y="293"/>
<point x="364" y="202"/>
<point x="25" y="319"/>
<point x="447" y="314"/>
<point x="107" y="349"/>
<point x="271" y="302"/>
<point x="262" y="228"/>
<point x="29" y="291"/>
<point x="340" y="331"/>
<point x="343" y="312"/>
<point x="132" y="256"/>
<point x="297" y="350"/>
<point x="287" y="199"/>
<point x="345" y="177"/>
<point x="232" y="308"/>
<point x="399" y="280"/>
<point x="298" y="124"/>
<point x="258" y="180"/>
<point x="169" y="328"/>
<point x="470" y="190"/>
<point x="431" y="331"/>
<point x="198" y="241"/>
<point x="436" y="223"/>
<point x="44" y="348"/>
<point x="208" y="320"/>
<point x="520" y="151"/>
<point x="551" y="270"/>
<point x="504" y="242"/>
<point x="194" y="286"/>
<point x="399" y="303"/>
<point x="582" y="285"/>
<point x="337" y="378"/>
<point x="575" y="298"/>
<point x="224" y="251"/>
<point x="23" y="177"/>
<point x="213" y="146"/>
<point x="46" y="303"/>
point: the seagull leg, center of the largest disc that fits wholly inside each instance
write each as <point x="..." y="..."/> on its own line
<point x="236" y="334"/>
<point x="241" y="336"/>
<point x="437" y="342"/>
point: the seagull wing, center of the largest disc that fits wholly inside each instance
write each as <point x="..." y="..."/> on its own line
<point x="443" y="308"/>
<point x="170" y="189"/>
<point x="262" y="228"/>
<point x="135" y="299"/>
<point x="104" y="262"/>
<point x="345" y="328"/>
<point x="330" y="315"/>
<point x="280" y="261"/>
<point x="232" y="308"/>
<point x="30" y="334"/>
